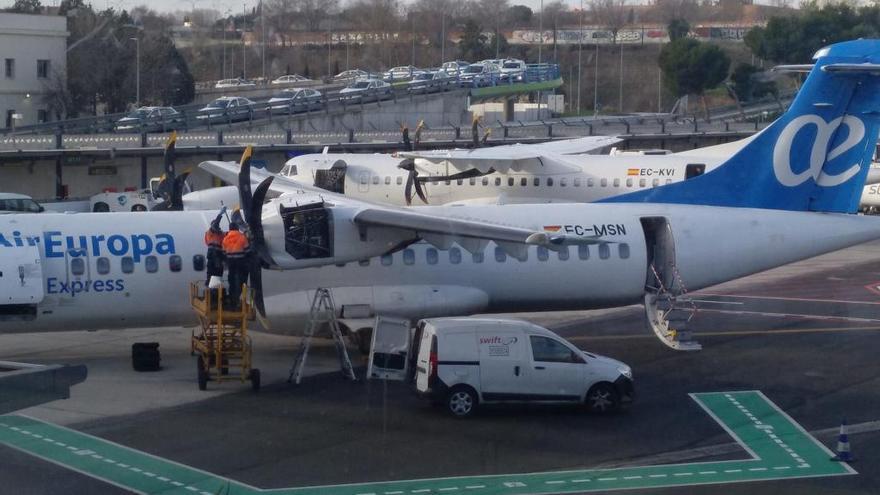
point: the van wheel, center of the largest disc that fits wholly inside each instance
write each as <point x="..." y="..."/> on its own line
<point x="461" y="401"/>
<point x="603" y="399"/>
<point x="101" y="207"/>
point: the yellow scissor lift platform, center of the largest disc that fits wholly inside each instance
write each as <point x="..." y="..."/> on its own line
<point x="222" y="344"/>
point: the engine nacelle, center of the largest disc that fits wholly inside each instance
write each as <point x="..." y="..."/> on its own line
<point x="304" y="232"/>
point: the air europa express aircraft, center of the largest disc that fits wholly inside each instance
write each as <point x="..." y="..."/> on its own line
<point x="784" y="197"/>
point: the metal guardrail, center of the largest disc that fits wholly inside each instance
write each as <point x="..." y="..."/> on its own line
<point x="191" y="118"/>
<point x="658" y="126"/>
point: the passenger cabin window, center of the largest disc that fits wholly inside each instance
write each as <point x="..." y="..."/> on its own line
<point x="364" y="262"/>
<point x="151" y="264"/>
<point x="473" y="181"/>
<point x="432" y="256"/>
<point x="500" y="255"/>
<point x="455" y="256"/>
<point x="623" y="251"/>
<point x="485" y="181"/>
<point x="127" y="264"/>
<point x="387" y="259"/>
<point x="694" y="170"/>
<point x="510" y="181"/>
<point x="547" y="350"/>
<point x="562" y="182"/>
<point x="478" y="257"/>
<point x="459" y="181"/>
<point x="604" y="251"/>
<point x="563" y="253"/>
<point x="669" y="181"/>
<point x="549" y="181"/>
<point x="364" y="179"/>
<point x="616" y="182"/>
<point x="175" y="263"/>
<point x="497" y="181"/>
<point x="409" y="257"/>
<point x="584" y="252"/>
<point x="387" y="181"/>
<point x="537" y="181"/>
<point x="655" y="182"/>
<point x="523" y="182"/>
<point x="590" y="182"/>
<point x="577" y="182"/>
<point x="641" y="182"/>
<point x="604" y="182"/>
<point x="103" y="266"/>
<point x="399" y="181"/>
<point x="77" y="266"/>
<point x="375" y="180"/>
<point x="199" y="262"/>
<point x="629" y="182"/>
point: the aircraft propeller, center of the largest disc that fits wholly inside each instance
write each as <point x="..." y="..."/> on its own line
<point x="252" y="207"/>
<point x="171" y="185"/>
<point x="414" y="181"/>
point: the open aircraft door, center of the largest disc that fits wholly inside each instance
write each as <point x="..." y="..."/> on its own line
<point x="21" y="282"/>
<point x="389" y="350"/>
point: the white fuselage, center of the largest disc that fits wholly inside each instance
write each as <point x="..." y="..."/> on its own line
<point x="555" y="178"/>
<point x="119" y="285"/>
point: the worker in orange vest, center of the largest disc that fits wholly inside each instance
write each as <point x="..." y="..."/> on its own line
<point x="214" y="241"/>
<point x="236" y="248"/>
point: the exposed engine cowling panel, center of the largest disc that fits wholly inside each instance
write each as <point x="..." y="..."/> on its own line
<point x="302" y="234"/>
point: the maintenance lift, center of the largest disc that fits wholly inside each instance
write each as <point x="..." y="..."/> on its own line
<point x="222" y="343"/>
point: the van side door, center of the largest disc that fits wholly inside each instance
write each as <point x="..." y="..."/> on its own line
<point x="503" y="361"/>
<point x="558" y="373"/>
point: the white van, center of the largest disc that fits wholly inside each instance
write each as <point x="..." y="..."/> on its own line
<point x="464" y="362"/>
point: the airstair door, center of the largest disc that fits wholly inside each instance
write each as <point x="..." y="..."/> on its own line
<point x="389" y="351"/>
<point x="21" y="281"/>
<point x="661" y="252"/>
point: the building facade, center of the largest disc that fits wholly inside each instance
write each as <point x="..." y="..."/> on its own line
<point x="33" y="59"/>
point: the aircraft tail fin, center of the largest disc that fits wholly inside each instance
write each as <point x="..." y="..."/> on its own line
<point x="815" y="157"/>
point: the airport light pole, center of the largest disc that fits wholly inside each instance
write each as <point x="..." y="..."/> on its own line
<point x="243" y="51"/>
<point x="540" y="38"/>
<point x="596" y="81"/>
<point x="137" y="77"/>
<point x="263" y="39"/>
<point x="580" y="48"/>
<point x="442" y="38"/>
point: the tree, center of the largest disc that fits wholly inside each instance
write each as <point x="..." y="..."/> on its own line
<point x="518" y="15"/>
<point x="472" y="45"/>
<point x="677" y="29"/>
<point x="26" y="7"/>
<point x="692" y="67"/>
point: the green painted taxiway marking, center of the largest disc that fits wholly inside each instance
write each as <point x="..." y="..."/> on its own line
<point x="778" y="448"/>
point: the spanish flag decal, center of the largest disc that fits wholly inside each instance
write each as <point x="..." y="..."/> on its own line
<point x="552" y="228"/>
<point x="632" y="171"/>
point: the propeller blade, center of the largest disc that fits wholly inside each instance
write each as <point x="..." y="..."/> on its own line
<point x="170" y="155"/>
<point x="467" y="174"/>
<point x="407" y="191"/>
<point x="419" y="190"/>
<point x="255" y="223"/>
<point x="245" y="196"/>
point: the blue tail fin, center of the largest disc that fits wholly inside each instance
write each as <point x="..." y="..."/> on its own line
<point x="815" y="157"/>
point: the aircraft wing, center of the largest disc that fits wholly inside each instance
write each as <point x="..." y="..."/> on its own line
<point x="532" y="157"/>
<point x="441" y="227"/>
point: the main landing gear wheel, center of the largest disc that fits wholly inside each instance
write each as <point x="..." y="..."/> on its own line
<point x="254" y="377"/>
<point x="461" y="402"/>
<point x="202" y="374"/>
<point x="603" y="399"/>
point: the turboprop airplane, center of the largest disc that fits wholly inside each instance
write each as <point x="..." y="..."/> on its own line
<point x="783" y="197"/>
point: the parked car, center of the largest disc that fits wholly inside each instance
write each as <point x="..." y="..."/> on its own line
<point x="401" y="73"/>
<point x="234" y="83"/>
<point x="463" y="363"/>
<point x="455" y="67"/>
<point x="351" y="75"/>
<point x="364" y="89"/>
<point x="290" y="79"/>
<point x="481" y="74"/>
<point x="296" y="100"/>
<point x="513" y="70"/>
<point x="18" y="203"/>
<point x="146" y="119"/>
<point x="430" y="80"/>
<point x="227" y="108"/>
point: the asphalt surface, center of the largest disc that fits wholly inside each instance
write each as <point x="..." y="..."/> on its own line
<point x="805" y="335"/>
